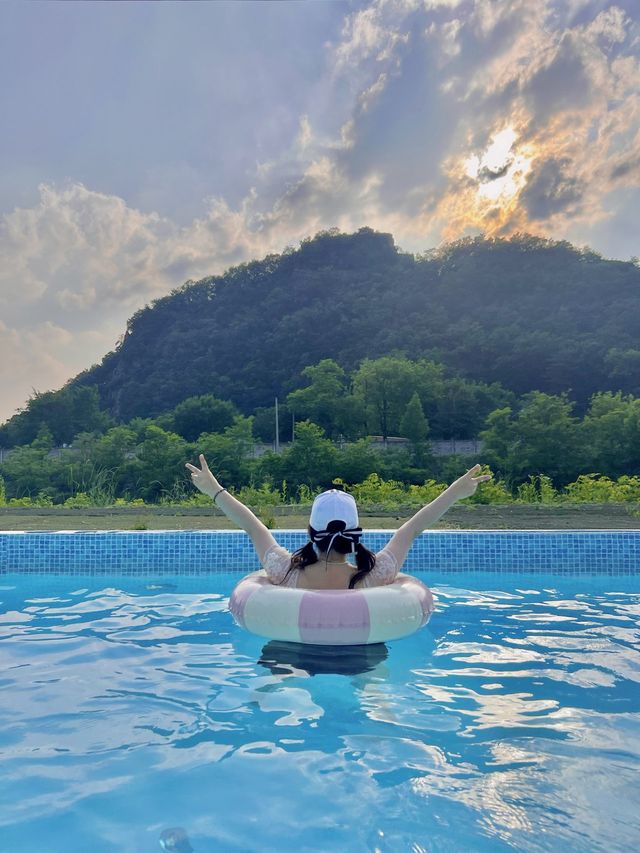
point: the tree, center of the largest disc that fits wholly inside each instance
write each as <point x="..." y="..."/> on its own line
<point x="542" y="439"/>
<point x="65" y="413"/>
<point x="28" y="471"/>
<point x="414" y="425"/>
<point x="44" y="439"/>
<point x="501" y="443"/>
<point x="430" y="383"/>
<point x="160" y="464"/>
<point x="384" y="385"/>
<point x="462" y="407"/>
<point x="357" y="460"/>
<point x="320" y="401"/>
<point x="264" y="423"/>
<point x="611" y="432"/>
<point x="204" y="413"/>
<point x="624" y="368"/>
<point x="229" y="454"/>
<point x="311" y="460"/>
<point x="114" y="458"/>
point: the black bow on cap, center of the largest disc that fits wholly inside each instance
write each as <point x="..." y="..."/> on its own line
<point x="335" y="529"/>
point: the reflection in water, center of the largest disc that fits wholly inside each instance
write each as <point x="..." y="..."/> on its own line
<point x="175" y="840"/>
<point x="281" y="658"/>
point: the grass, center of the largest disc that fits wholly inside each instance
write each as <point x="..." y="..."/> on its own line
<point x="472" y="517"/>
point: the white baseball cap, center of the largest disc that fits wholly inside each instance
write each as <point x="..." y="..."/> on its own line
<point x="334" y="505"/>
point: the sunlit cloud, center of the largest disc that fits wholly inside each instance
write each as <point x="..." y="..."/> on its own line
<point x="500" y="171"/>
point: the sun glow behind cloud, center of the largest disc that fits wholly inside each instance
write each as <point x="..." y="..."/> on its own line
<point x="485" y="187"/>
<point x="501" y="171"/>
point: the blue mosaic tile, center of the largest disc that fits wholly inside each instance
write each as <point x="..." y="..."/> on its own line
<point x="193" y="552"/>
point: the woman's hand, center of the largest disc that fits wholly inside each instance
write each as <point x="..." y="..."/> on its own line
<point x="236" y="511"/>
<point x="203" y="479"/>
<point x="466" y="485"/>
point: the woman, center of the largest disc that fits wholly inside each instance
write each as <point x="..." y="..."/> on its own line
<point x="334" y="532"/>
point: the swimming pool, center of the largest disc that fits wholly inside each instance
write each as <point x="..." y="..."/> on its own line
<point x="133" y="710"/>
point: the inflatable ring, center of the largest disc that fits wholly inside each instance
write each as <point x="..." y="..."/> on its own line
<point x="334" y="617"/>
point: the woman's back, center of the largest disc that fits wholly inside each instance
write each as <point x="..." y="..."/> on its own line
<point x="326" y="574"/>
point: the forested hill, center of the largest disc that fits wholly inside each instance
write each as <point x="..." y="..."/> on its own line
<point x="526" y="312"/>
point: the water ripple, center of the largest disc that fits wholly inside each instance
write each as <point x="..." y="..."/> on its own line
<point x="511" y="723"/>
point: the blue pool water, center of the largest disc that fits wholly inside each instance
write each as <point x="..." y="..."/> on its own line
<point x="135" y="711"/>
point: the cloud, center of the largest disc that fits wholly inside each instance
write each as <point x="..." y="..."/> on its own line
<point x="628" y="165"/>
<point x="305" y="134"/>
<point x="437" y="81"/>
<point x="371" y="34"/>
<point x="551" y="189"/>
<point x="570" y="95"/>
<point x="79" y="250"/>
<point x="43" y="357"/>
<point x="561" y="82"/>
<point x="78" y="264"/>
<point x="75" y="244"/>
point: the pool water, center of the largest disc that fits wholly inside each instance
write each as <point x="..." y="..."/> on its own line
<point x="134" y="713"/>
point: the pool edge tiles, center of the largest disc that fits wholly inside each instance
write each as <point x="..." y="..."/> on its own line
<point x="195" y="552"/>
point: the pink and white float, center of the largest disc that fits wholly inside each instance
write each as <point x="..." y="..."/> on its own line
<point x="335" y="617"/>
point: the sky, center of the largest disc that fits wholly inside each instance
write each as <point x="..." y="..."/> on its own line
<point x="147" y="144"/>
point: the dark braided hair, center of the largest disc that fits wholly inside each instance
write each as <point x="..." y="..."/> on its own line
<point x="306" y="556"/>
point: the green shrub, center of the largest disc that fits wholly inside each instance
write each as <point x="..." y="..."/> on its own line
<point x="392" y="493"/>
<point x="20" y="502"/>
<point x="264" y="495"/>
<point x="42" y="499"/>
<point x="424" y="494"/>
<point x="539" y="490"/>
<point x="196" y="499"/>
<point x="306" y="495"/>
<point x="628" y="488"/>
<point x="82" y="499"/>
<point x="597" y="488"/>
<point x="492" y="492"/>
<point x="375" y="490"/>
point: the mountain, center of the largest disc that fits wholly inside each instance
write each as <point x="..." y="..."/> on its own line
<point x="526" y="312"/>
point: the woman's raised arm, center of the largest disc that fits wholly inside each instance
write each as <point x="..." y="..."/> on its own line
<point x="463" y="487"/>
<point x="234" y="509"/>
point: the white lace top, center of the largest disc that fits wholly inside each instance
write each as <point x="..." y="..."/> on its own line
<point x="277" y="560"/>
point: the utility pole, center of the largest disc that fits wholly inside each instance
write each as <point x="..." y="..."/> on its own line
<point x="277" y="429"/>
<point x="293" y="427"/>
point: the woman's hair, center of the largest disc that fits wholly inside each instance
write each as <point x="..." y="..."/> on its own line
<point x="306" y="556"/>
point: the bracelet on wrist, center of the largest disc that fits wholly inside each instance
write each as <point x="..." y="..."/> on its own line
<point x="217" y="493"/>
